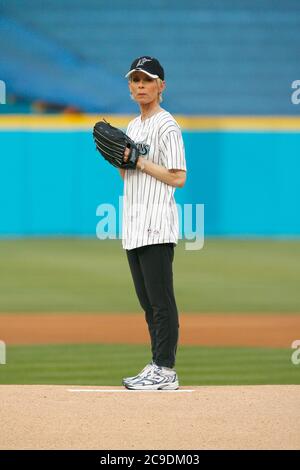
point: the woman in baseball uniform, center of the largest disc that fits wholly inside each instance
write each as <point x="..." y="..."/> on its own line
<point x="150" y="220"/>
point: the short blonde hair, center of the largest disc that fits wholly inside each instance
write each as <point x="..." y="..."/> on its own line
<point x="160" y="99"/>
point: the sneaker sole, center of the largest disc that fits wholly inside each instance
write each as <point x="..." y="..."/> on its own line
<point x="169" y="386"/>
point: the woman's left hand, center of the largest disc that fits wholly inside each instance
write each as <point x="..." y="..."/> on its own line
<point x="126" y="154"/>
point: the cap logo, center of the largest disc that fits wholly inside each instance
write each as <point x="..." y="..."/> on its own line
<point x="142" y="61"/>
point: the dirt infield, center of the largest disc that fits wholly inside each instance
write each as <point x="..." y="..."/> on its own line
<point x="52" y="417"/>
<point x="207" y="330"/>
<point x="218" y="417"/>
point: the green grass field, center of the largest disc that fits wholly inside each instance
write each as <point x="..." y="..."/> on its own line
<point x="107" y="364"/>
<point x="88" y="275"/>
<point x="85" y="275"/>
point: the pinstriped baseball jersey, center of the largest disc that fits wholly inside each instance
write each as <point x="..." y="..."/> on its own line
<point x="150" y="214"/>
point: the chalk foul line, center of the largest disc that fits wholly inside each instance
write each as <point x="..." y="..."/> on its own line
<point x="94" y="390"/>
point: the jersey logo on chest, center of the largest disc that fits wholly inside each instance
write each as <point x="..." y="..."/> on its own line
<point x="143" y="148"/>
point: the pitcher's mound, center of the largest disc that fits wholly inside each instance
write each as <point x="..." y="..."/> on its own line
<point x="231" y="417"/>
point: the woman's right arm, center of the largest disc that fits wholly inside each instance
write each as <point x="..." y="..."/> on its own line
<point x="122" y="173"/>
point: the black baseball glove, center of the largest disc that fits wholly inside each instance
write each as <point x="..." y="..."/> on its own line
<point x="112" y="142"/>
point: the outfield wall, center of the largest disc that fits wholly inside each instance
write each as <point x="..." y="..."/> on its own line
<point x="245" y="172"/>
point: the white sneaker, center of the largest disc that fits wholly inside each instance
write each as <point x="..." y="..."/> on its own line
<point x="157" y="378"/>
<point x="144" y="372"/>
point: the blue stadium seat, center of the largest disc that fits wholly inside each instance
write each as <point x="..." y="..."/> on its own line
<point x="220" y="57"/>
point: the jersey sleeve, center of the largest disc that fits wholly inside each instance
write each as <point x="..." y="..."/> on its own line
<point x="172" y="150"/>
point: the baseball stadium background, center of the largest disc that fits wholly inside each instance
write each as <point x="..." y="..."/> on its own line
<point x="68" y="310"/>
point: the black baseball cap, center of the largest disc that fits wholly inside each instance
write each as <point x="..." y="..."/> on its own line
<point x="149" y="65"/>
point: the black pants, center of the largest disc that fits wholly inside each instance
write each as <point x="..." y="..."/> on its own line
<point x="151" y="269"/>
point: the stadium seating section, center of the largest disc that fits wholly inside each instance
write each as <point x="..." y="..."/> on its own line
<point x="233" y="57"/>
